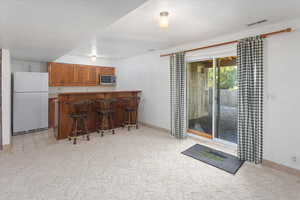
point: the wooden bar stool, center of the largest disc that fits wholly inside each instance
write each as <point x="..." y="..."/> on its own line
<point x="131" y="112"/>
<point x="79" y="114"/>
<point x="105" y="109"/>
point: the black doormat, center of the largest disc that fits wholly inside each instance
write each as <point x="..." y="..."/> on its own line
<point x="221" y="160"/>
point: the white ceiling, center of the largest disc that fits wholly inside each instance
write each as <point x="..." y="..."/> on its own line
<point x="190" y="20"/>
<point x="47" y="29"/>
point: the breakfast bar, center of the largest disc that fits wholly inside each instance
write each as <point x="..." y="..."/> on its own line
<point x="64" y="121"/>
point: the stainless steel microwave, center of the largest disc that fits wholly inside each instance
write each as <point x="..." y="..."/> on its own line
<point x="108" y="80"/>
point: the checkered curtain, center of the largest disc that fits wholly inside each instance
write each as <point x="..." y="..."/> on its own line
<point x="250" y="79"/>
<point x="177" y="88"/>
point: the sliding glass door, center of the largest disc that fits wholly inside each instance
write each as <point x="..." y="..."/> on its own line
<point x="200" y="93"/>
<point x="212" y="98"/>
<point x="226" y="99"/>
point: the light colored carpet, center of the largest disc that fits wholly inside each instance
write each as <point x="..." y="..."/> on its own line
<point x="141" y="164"/>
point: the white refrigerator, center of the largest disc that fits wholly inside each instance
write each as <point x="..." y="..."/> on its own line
<point x="30" y="101"/>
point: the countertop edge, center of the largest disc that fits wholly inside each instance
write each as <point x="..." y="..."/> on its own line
<point x="78" y="93"/>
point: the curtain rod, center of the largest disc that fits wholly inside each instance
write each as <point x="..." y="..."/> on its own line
<point x="230" y="42"/>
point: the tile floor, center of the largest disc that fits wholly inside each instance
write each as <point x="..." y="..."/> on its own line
<point x="140" y="164"/>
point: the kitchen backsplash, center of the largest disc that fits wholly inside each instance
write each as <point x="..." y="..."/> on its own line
<point x="55" y="90"/>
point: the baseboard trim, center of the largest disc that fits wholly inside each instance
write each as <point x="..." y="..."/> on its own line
<point x="281" y="167"/>
<point x="155" y="127"/>
<point x="6" y="147"/>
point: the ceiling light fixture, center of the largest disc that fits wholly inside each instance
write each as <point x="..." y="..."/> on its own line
<point x="93" y="58"/>
<point x="164" y="19"/>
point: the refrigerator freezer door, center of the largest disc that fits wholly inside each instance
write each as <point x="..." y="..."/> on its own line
<point x="30" y="82"/>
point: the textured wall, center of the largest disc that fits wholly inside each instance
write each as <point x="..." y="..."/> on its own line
<point x="6" y="97"/>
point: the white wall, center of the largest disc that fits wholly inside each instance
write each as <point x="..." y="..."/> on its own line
<point x="150" y="73"/>
<point x="282" y="138"/>
<point x="28" y="66"/>
<point x="35" y="66"/>
<point x="86" y="61"/>
<point x="6" y="97"/>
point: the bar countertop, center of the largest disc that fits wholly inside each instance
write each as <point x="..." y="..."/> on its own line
<point x="100" y="92"/>
<point x="64" y="109"/>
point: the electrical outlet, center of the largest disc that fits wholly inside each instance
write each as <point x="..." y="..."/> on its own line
<point x="294" y="159"/>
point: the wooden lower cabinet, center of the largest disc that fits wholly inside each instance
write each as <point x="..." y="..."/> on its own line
<point x="51" y="113"/>
<point x="65" y="122"/>
<point x="62" y="74"/>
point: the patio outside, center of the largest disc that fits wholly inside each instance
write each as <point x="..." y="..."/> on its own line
<point x="201" y="100"/>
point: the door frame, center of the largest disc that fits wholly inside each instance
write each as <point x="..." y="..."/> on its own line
<point x="212" y="56"/>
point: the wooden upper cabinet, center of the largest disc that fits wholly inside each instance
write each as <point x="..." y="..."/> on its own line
<point x="107" y="70"/>
<point x="86" y="75"/>
<point x="61" y="74"/>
